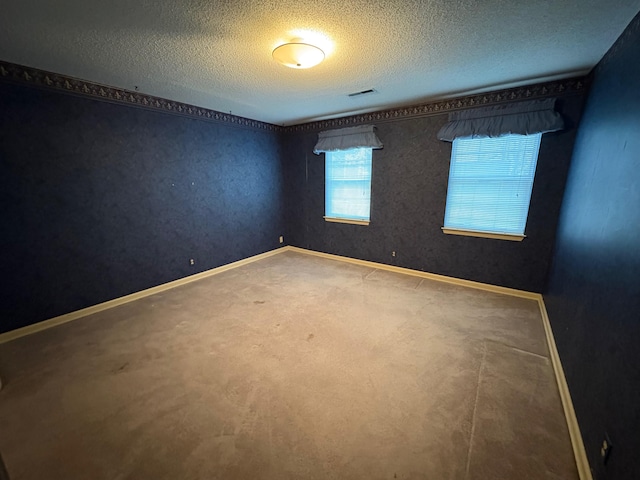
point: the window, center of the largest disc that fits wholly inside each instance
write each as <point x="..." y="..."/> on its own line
<point x="490" y="183"/>
<point x="348" y="186"/>
<point x="348" y="172"/>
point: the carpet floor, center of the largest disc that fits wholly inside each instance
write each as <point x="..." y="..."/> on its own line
<point x="291" y="367"/>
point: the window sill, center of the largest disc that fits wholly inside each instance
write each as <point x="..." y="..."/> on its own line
<point x="475" y="233"/>
<point x="346" y="220"/>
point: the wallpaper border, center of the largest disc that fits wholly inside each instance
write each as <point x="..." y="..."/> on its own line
<point x="569" y="86"/>
<point x="630" y="31"/>
<point x="56" y="81"/>
<point x="12" y="72"/>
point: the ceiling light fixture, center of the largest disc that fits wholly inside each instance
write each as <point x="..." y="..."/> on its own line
<point x="298" y="55"/>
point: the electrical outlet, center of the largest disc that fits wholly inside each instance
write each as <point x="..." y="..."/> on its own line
<point x="192" y="261"/>
<point x="605" y="450"/>
<point x="281" y="239"/>
<point x="393" y="254"/>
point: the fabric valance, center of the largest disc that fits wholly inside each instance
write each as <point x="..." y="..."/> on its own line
<point x="362" y="136"/>
<point x="523" y="118"/>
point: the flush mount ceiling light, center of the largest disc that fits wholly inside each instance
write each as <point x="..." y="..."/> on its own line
<point x="298" y="55"/>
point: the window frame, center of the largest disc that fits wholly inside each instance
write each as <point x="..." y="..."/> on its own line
<point x="346" y="219"/>
<point x="488" y="233"/>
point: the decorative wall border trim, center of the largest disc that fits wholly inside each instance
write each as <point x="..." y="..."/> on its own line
<point x="570" y="86"/>
<point x="40" y="78"/>
<point x="55" y="81"/>
<point x="629" y="32"/>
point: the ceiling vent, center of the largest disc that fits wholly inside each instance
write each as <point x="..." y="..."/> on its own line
<point x="362" y="93"/>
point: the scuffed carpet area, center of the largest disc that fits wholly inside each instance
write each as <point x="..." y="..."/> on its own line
<point x="290" y="367"/>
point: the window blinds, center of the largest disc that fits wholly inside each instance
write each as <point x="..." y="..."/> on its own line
<point x="490" y="183"/>
<point x="348" y="184"/>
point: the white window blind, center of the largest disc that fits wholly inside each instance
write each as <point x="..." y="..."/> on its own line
<point x="348" y="184"/>
<point x="490" y="183"/>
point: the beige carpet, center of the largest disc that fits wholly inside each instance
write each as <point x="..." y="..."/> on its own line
<point x="290" y="367"/>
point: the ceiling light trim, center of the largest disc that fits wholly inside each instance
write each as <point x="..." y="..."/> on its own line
<point x="299" y="55"/>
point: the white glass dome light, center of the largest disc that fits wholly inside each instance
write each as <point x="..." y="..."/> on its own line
<point x="298" y="55"/>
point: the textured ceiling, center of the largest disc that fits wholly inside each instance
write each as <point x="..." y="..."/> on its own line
<point x="217" y="53"/>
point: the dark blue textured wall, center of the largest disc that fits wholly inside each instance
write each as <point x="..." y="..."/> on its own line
<point x="102" y="200"/>
<point x="409" y="190"/>
<point x="593" y="298"/>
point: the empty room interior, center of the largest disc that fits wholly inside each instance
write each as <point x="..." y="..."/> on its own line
<point x="320" y="240"/>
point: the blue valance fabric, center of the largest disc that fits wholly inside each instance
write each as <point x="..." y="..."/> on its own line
<point x="523" y="118"/>
<point x="362" y="136"/>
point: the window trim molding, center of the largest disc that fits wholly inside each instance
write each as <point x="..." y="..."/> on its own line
<point x="346" y="220"/>
<point x="477" y="230"/>
<point x="479" y="233"/>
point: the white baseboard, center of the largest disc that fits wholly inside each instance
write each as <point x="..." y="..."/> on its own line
<point x="572" y="422"/>
<point x="567" y="404"/>
<point x="570" y="415"/>
<point x="68" y="317"/>
<point x="417" y="273"/>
